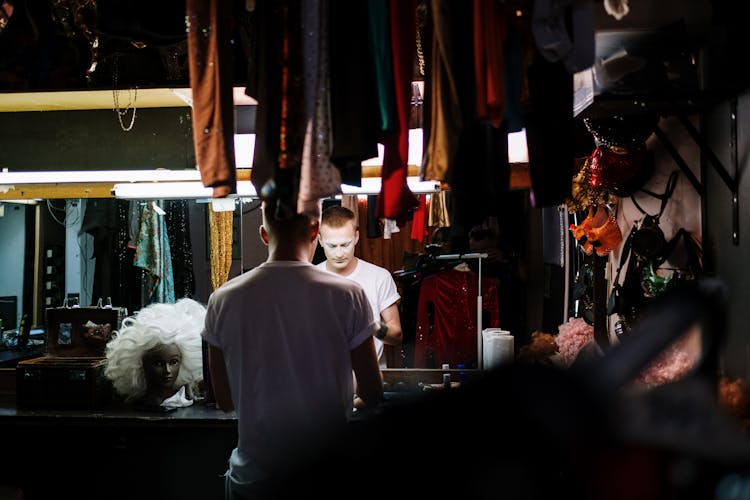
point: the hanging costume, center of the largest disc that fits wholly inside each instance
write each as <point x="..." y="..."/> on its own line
<point x="181" y="248"/>
<point x="447" y="318"/>
<point x="490" y="31"/>
<point x="154" y="256"/>
<point x="209" y="50"/>
<point x="418" y="229"/>
<point x="318" y="176"/>
<point x="395" y="198"/>
<point x="353" y="95"/>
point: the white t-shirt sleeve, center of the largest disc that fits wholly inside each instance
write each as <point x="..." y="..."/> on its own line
<point x="210" y="329"/>
<point x="364" y="325"/>
<point x="387" y="291"/>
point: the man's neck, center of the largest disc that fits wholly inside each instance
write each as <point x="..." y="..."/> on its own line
<point x="300" y="253"/>
<point x="347" y="270"/>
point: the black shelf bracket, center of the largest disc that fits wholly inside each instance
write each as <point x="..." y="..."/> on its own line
<point x="730" y="181"/>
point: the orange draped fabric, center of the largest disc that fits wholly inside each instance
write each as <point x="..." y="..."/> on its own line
<point x="209" y="58"/>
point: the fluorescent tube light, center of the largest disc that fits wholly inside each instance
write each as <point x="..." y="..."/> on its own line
<point x="245" y="189"/>
<point x="175" y="190"/>
<point x="32" y="201"/>
<point x="92" y="176"/>
<point x="371" y="185"/>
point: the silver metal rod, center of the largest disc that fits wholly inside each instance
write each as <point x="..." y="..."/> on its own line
<point x="454" y="256"/>
<point x="480" y="354"/>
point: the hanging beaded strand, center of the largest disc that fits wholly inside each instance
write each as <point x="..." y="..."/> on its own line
<point x="132" y="98"/>
<point x="283" y="159"/>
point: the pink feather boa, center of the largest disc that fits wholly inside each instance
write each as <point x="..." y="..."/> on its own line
<point x="572" y="336"/>
<point x="672" y="364"/>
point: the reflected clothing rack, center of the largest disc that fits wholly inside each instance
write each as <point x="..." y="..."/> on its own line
<point x="478" y="257"/>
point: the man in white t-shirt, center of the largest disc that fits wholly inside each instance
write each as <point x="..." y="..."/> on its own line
<point x="338" y="237"/>
<point x="283" y="340"/>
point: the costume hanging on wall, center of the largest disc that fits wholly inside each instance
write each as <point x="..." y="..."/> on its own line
<point x="447" y="318"/>
<point x="439" y="216"/>
<point x="264" y="84"/>
<point x="469" y="154"/>
<point x="220" y="224"/>
<point x="514" y="72"/>
<point x="380" y="44"/>
<point x="550" y="132"/>
<point x="128" y="292"/>
<point x="318" y="176"/>
<point x="154" y="256"/>
<point x="490" y="30"/>
<point x="481" y="176"/>
<point x="418" y="229"/>
<point x="444" y="111"/>
<point x="181" y="250"/>
<point x="353" y="95"/>
<point x="277" y="84"/>
<point x="396" y="199"/>
<point x="101" y="222"/>
<point x="564" y="32"/>
<point x="373" y="223"/>
<point x="209" y="56"/>
<point x="415" y="267"/>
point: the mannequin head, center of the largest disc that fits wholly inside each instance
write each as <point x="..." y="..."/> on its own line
<point x="157" y="352"/>
<point x="161" y="367"/>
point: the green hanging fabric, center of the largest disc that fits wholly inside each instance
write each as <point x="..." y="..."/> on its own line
<point x="153" y="255"/>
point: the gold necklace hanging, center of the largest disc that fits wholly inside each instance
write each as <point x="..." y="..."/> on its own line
<point x="420" y="52"/>
<point x="132" y="98"/>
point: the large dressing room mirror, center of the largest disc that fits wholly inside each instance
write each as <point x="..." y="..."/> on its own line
<point x="85" y="251"/>
<point x="100" y="251"/>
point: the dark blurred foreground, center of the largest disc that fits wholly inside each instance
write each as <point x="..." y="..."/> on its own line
<point x="536" y="432"/>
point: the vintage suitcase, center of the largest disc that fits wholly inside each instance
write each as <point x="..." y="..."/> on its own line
<point x="80" y="331"/>
<point x="71" y="373"/>
<point x="62" y="383"/>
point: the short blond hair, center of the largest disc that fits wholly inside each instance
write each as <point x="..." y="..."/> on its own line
<point x="337" y="216"/>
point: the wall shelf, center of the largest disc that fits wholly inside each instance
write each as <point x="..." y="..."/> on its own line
<point x="79" y="100"/>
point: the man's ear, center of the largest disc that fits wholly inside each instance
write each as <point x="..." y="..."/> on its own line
<point x="263" y="235"/>
<point x="356" y="236"/>
<point x="314" y="233"/>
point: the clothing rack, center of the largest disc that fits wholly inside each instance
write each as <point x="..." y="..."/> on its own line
<point x="479" y="257"/>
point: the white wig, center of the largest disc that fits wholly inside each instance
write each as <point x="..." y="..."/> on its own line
<point x="177" y="324"/>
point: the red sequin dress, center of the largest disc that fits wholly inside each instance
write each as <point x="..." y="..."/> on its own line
<point x="447" y="318"/>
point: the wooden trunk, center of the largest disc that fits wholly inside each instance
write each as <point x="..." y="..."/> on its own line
<point x="62" y="383"/>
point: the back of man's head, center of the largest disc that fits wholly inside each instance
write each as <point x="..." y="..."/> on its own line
<point x="284" y="226"/>
<point x="337" y="216"/>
